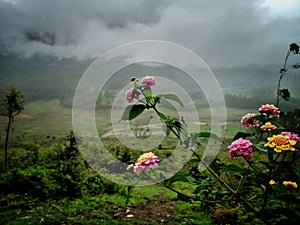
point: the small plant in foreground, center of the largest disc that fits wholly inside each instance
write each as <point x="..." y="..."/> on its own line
<point x="266" y="188"/>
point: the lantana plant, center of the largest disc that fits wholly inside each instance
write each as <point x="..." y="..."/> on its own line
<point x="265" y="185"/>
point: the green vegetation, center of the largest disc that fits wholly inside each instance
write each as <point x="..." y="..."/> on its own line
<point x="12" y="103"/>
<point x="265" y="187"/>
<point x="48" y="181"/>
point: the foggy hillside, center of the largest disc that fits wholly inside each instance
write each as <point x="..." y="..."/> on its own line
<point x="49" y="77"/>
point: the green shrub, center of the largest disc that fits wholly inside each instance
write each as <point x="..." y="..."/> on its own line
<point x="56" y="172"/>
<point x="95" y="184"/>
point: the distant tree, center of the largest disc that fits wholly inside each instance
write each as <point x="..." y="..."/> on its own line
<point x="12" y="103"/>
<point x="284" y="93"/>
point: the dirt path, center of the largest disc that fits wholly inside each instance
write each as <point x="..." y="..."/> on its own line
<point x="155" y="211"/>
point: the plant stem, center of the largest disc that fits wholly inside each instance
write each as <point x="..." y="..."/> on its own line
<point x="170" y="127"/>
<point x="229" y="180"/>
<point x="266" y="194"/>
<point x="282" y="74"/>
<point x="250" y="164"/>
<point x="238" y="196"/>
<point x="240" y="184"/>
<point x="178" y="192"/>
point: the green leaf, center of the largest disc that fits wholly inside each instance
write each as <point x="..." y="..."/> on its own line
<point x="289" y="198"/>
<point x="183" y="197"/>
<point x="168" y="131"/>
<point x="194" y="162"/>
<point x="192" y="180"/>
<point x="296" y="169"/>
<point x="177" y="124"/>
<point x="297" y="145"/>
<point x="242" y="135"/>
<point x="260" y="147"/>
<point x="171" y="97"/>
<point x="180" y="176"/>
<point x="233" y="168"/>
<point x="269" y="165"/>
<point x="289" y="213"/>
<point x="156" y="100"/>
<point x="132" y="111"/>
<point x="162" y="116"/>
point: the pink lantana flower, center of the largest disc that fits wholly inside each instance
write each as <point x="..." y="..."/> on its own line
<point x="270" y="110"/>
<point x="148" y="81"/>
<point x="294" y="137"/>
<point x="249" y="123"/>
<point x="144" y="162"/>
<point x="132" y="94"/>
<point x="241" y="147"/>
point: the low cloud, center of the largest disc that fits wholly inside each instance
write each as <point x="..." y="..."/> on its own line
<point x="223" y="33"/>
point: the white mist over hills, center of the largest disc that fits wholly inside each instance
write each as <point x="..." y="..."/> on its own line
<point x="46" y="46"/>
<point x="224" y="33"/>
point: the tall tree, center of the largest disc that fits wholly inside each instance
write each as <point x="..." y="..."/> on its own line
<point x="12" y="103"/>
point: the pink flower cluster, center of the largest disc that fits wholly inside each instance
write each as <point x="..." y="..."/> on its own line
<point x="132" y="94"/>
<point x="148" y="81"/>
<point x="294" y="137"/>
<point x="249" y="123"/>
<point x="270" y="110"/>
<point x="144" y="162"/>
<point x="240" y="147"/>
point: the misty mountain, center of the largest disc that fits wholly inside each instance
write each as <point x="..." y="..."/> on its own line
<point x="49" y="77"/>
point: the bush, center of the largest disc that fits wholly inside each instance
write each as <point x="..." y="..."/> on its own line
<point x="95" y="184"/>
<point x="56" y="173"/>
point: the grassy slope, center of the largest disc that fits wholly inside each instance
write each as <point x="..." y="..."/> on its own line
<point x="48" y="118"/>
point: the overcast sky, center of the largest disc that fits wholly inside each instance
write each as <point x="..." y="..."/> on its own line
<point x="224" y="33"/>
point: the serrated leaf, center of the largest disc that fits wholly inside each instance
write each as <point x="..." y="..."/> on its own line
<point x="183" y="197"/>
<point x="172" y="97"/>
<point x="267" y="164"/>
<point x="162" y="116"/>
<point x="177" y="177"/>
<point x="173" y="119"/>
<point x="296" y="169"/>
<point x="260" y="148"/>
<point x="177" y="125"/>
<point x="156" y="99"/>
<point x="278" y="125"/>
<point x="194" y="161"/>
<point x="192" y="180"/>
<point x="233" y="168"/>
<point x="242" y="135"/>
<point x="132" y="111"/>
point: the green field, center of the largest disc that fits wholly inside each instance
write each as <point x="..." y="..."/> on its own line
<point x="40" y="160"/>
<point x="39" y="115"/>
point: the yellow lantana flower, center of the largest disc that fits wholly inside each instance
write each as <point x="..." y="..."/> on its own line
<point x="290" y="184"/>
<point x="280" y="143"/>
<point x="272" y="182"/>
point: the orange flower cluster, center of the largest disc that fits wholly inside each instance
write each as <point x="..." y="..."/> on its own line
<point x="268" y="127"/>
